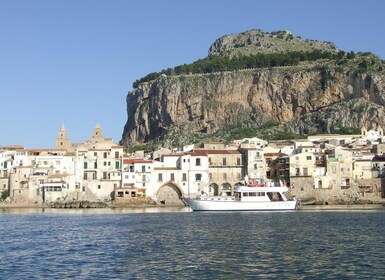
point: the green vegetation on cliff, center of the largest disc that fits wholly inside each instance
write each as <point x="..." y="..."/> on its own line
<point x="360" y="62"/>
<point x="214" y="64"/>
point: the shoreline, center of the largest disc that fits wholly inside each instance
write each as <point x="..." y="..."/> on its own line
<point x="162" y="206"/>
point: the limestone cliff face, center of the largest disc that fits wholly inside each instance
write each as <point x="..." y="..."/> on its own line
<point x="303" y="101"/>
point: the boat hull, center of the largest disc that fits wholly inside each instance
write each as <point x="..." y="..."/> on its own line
<point x="231" y="205"/>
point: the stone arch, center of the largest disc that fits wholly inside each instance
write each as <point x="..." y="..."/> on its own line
<point x="213" y="189"/>
<point x="226" y="188"/>
<point x="169" y="194"/>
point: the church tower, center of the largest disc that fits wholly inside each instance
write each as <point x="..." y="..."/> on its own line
<point x="97" y="136"/>
<point x="62" y="141"/>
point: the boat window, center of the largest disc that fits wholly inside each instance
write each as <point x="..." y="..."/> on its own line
<point x="260" y="194"/>
<point x="253" y="194"/>
<point x="245" y="194"/>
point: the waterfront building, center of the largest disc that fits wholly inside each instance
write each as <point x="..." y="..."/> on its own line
<point x="226" y="170"/>
<point x="253" y="150"/>
<point x="342" y="168"/>
<point x="136" y="180"/>
<point x="102" y="171"/>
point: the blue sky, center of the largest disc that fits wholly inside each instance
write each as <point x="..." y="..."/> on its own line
<point x="73" y="62"/>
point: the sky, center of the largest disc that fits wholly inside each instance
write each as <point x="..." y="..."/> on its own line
<point x="73" y="62"/>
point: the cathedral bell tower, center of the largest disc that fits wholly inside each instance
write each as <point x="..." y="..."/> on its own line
<point x="97" y="136"/>
<point x="62" y="141"/>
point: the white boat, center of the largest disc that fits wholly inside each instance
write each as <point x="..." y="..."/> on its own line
<point x="246" y="198"/>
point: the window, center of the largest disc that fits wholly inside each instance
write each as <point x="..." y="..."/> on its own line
<point x="85" y="165"/>
<point x="143" y="168"/>
<point x="224" y="176"/>
<point x="105" y="175"/>
<point x="95" y="154"/>
<point x="305" y="171"/>
<point x="198" y="162"/>
<point x="210" y="176"/>
<point x="95" y="165"/>
<point x="117" y="165"/>
<point x="198" y="177"/>
<point x="160" y="177"/>
<point x="104" y="155"/>
<point x="333" y="169"/>
<point x="297" y="172"/>
<point x="308" y="157"/>
<point x="224" y="161"/>
<point x="116" y="154"/>
<point x="99" y="187"/>
<point x="238" y="161"/>
<point x="184" y="177"/>
<point x="143" y="178"/>
<point x="172" y="178"/>
<point x="85" y="175"/>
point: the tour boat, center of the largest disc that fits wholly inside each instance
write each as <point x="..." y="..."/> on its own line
<point x="252" y="197"/>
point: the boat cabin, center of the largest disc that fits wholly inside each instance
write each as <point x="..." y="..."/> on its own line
<point x="263" y="194"/>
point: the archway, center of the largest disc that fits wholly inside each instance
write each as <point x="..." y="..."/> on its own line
<point x="213" y="189"/>
<point x="226" y="189"/>
<point x="320" y="184"/>
<point x="169" y="194"/>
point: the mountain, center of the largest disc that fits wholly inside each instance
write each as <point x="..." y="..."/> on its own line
<point x="272" y="85"/>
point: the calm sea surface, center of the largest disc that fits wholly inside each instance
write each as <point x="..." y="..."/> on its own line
<point x="179" y="244"/>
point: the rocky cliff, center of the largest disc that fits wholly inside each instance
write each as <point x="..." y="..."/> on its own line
<point x="324" y="96"/>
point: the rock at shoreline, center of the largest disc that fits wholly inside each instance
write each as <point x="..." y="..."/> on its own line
<point x="79" y="204"/>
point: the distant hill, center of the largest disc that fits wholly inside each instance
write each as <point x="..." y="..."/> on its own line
<point x="273" y="85"/>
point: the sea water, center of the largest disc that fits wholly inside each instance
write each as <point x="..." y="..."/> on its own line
<point x="180" y="244"/>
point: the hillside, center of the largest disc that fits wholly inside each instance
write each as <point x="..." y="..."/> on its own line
<point x="294" y="87"/>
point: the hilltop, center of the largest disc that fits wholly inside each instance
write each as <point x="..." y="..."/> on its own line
<point x="256" y="41"/>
